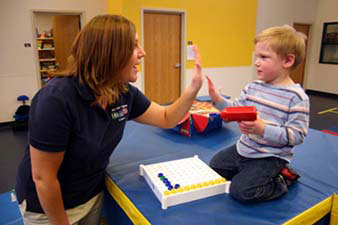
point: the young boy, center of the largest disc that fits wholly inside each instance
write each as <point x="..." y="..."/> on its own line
<point x="256" y="165"/>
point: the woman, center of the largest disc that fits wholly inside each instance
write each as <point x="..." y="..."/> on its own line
<point x="77" y="120"/>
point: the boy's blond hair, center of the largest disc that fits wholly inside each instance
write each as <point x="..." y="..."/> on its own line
<point x="284" y="40"/>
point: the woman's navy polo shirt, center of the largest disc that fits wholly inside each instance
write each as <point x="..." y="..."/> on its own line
<point x="63" y="118"/>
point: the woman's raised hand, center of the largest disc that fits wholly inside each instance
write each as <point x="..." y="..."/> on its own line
<point x="197" y="79"/>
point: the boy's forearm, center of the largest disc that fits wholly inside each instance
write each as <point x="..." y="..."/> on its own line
<point x="223" y="103"/>
<point x="216" y="97"/>
<point x="283" y="135"/>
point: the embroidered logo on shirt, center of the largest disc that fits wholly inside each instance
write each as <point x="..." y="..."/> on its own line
<point x="119" y="113"/>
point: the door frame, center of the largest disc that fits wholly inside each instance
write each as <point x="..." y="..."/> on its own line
<point x="182" y="13"/>
<point x="308" y="51"/>
<point x="33" y="12"/>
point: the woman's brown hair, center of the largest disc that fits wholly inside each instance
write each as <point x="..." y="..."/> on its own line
<point x="99" y="53"/>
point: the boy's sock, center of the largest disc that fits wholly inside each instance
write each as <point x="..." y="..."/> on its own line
<point x="281" y="180"/>
<point x="289" y="174"/>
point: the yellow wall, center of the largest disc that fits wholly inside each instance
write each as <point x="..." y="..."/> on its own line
<point x="223" y="29"/>
<point x="115" y="6"/>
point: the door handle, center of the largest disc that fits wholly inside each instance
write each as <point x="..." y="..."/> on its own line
<point x="178" y="65"/>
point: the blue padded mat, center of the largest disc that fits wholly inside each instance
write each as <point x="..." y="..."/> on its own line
<point x="316" y="160"/>
<point x="9" y="210"/>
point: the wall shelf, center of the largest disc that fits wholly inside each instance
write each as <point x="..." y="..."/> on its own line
<point x="46" y="49"/>
<point x="44" y="39"/>
<point x="46" y="71"/>
<point x="47" y="60"/>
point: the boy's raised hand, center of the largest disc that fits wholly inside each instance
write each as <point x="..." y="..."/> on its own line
<point x="213" y="93"/>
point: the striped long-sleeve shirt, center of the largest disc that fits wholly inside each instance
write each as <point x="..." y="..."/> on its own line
<point x="285" y="111"/>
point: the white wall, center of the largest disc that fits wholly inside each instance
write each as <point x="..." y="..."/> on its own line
<point x="44" y="22"/>
<point x="18" y="72"/>
<point x="275" y="13"/>
<point x="322" y="77"/>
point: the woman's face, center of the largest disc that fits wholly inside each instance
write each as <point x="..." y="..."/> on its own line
<point x="129" y="73"/>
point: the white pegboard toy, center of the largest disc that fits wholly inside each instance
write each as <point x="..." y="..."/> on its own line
<point x="183" y="180"/>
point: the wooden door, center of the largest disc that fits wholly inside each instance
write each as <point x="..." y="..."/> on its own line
<point x="298" y="74"/>
<point x="162" y="44"/>
<point x="65" y="29"/>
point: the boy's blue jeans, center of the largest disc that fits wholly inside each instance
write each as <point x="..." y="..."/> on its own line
<point x="252" y="179"/>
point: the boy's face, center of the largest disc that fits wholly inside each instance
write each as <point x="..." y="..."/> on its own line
<point x="269" y="65"/>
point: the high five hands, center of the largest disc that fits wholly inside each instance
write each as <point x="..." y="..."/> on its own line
<point x="246" y="127"/>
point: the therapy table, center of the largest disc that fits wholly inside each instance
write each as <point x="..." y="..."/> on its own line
<point x="129" y="199"/>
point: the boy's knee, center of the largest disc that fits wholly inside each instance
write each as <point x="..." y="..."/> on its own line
<point x="216" y="161"/>
<point x="212" y="163"/>
<point x="246" y="194"/>
<point x="242" y="194"/>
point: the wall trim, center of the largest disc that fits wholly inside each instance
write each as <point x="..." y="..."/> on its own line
<point x="6" y="124"/>
<point x="321" y="93"/>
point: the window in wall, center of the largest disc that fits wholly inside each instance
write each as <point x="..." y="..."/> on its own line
<point x="329" y="47"/>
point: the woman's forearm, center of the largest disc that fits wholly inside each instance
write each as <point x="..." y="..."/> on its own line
<point x="49" y="193"/>
<point x="176" y="111"/>
<point x="181" y="106"/>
